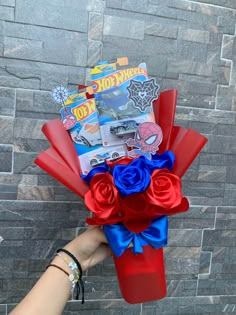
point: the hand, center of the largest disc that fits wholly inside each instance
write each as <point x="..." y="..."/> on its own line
<point x="52" y="290"/>
<point x="90" y="248"/>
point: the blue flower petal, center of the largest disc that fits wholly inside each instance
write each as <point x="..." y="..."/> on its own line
<point x="159" y="161"/>
<point x="132" y="178"/>
<point x="96" y="170"/>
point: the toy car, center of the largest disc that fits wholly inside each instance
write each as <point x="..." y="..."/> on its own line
<point x="111" y="155"/>
<point x="114" y="100"/>
<point x="89" y="135"/>
<point x="124" y="127"/>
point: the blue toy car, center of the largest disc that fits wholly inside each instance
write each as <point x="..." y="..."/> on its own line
<point x="124" y="127"/>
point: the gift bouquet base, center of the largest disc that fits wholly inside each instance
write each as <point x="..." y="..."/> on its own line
<point x="141" y="276"/>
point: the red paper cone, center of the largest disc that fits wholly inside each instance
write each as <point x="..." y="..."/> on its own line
<point x="164" y="112"/>
<point x="52" y="163"/>
<point x="186" y="146"/>
<point x="62" y="143"/>
<point x="142" y="276"/>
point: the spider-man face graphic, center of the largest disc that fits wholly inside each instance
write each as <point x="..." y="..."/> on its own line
<point x="69" y="121"/>
<point x="147" y="139"/>
<point x="148" y="136"/>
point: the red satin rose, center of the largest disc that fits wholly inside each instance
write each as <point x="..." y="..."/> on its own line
<point x="164" y="190"/>
<point x="182" y="207"/>
<point x="101" y="221"/>
<point x="137" y="212"/>
<point x="103" y="199"/>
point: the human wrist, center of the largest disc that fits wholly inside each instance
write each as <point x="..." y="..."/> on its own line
<point x="72" y="247"/>
<point x="76" y="270"/>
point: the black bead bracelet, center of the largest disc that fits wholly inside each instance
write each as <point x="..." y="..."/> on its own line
<point x="80" y="283"/>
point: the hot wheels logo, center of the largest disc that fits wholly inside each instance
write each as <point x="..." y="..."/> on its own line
<point x="84" y="110"/>
<point x="117" y="78"/>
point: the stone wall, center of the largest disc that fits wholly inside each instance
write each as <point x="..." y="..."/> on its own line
<point x="188" y="45"/>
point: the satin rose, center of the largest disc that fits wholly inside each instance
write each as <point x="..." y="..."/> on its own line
<point x="103" y="199"/>
<point x="164" y="190"/>
<point x="132" y="178"/>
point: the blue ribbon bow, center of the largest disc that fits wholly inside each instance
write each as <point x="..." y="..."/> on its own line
<point x="119" y="237"/>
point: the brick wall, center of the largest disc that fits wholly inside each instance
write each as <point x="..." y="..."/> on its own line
<point x="188" y="45"/>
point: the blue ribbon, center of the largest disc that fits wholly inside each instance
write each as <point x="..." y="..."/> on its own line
<point x="119" y="237"/>
<point x="96" y="170"/>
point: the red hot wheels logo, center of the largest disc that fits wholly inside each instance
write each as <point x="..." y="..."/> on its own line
<point x="117" y="78"/>
<point x="84" y="110"/>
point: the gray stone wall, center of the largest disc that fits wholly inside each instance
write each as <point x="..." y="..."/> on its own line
<point x="188" y="45"/>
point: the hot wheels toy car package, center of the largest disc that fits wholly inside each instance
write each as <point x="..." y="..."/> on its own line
<point x="118" y="114"/>
<point x="80" y="118"/>
<point x="100" y="156"/>
<point x="75" y="96"/>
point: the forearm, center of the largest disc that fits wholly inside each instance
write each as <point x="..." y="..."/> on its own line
<point x="49" y="295"/>
<point x="53" y="289"/>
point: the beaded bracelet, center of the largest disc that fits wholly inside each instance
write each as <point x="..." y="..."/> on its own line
<point x="74" y="276"/>
<point x="72" y="265"/>
<point x="79" y="283"/>
<point x="70" y="276"/>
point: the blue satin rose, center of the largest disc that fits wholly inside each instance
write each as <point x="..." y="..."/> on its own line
<point x="132" y="178"/>
<point x="158" y="161"/>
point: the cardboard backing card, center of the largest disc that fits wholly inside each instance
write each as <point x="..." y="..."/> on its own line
<point x="80" y="118"/>
<point x="118" y="117"/>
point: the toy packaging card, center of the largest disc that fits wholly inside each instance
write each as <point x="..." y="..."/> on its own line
<point x="110" y="66"/>
<point x="118" y="115"/>
<point x="100" y="155"/>
<point x="80" y="118"/>
<point x="102" y="124"/>
<point x="75" y="96"/>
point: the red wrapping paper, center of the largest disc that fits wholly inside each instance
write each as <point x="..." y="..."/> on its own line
<point x="141" y="277"/>
<point x="51" y="162"/>
<point x="62" y="143"/>
<point x="61" y="160"/>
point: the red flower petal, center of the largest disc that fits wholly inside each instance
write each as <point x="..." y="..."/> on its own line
<point x="164" y="190"/>
<point x="103" y="198"/>
<point x="137" y="212"/>
<point x="182" y="207"/>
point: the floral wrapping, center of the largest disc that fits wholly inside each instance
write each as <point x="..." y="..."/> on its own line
<point x="131" y="198"/>
<point x="135" y="193"/>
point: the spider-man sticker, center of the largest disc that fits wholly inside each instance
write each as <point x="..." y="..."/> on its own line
<point x="147" y="139"/>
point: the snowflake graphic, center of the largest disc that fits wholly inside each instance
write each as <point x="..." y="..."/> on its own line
<point x="60" y="94"/>
<point x="143" y="93"/>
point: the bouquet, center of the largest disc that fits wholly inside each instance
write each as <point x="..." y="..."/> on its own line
<point x="131" y="197"/>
